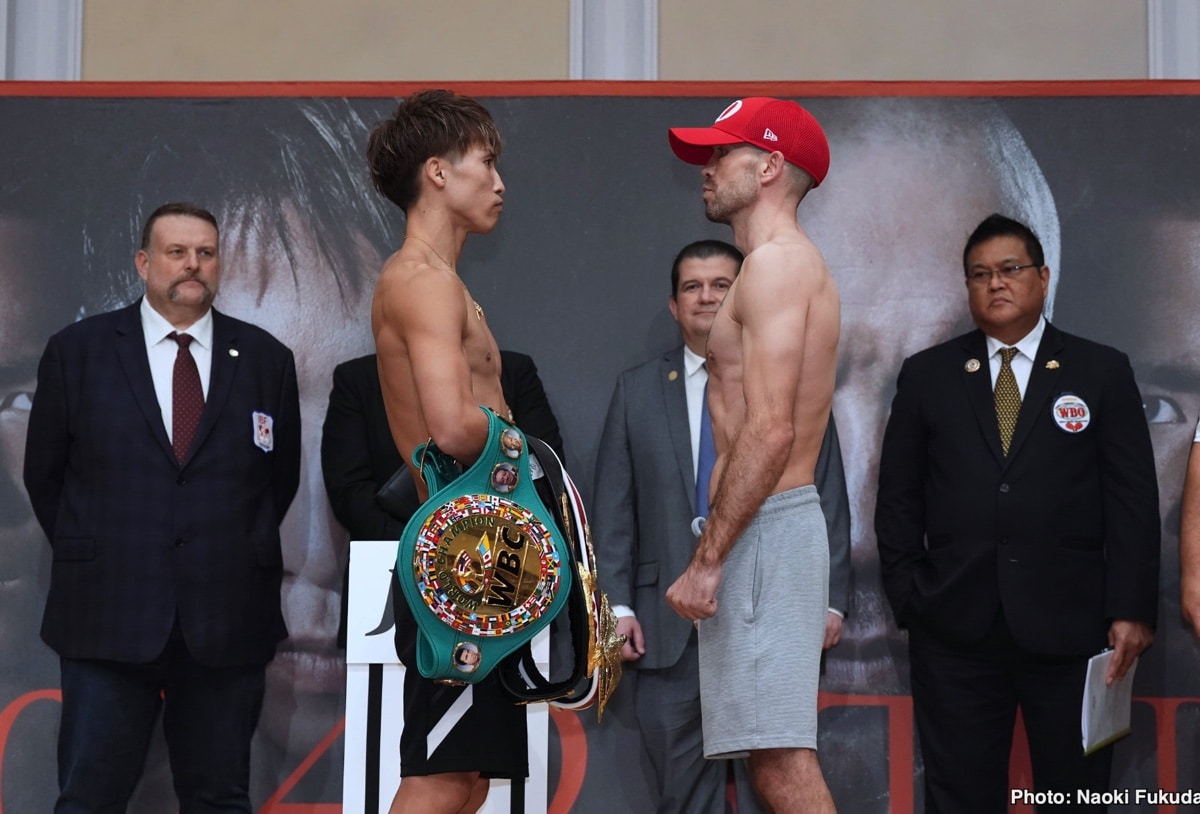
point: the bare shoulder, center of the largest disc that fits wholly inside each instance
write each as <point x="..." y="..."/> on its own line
<point x="413" y="290"/>
<point x="781" y="271"/>
<point x="788" y="255"/>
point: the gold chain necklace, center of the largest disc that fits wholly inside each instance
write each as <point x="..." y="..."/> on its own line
<point x="478" y="307"/>
<point x="447" y="263"/>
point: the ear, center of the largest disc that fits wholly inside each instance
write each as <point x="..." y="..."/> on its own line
<point x="673" y="307"/>
<point x="141" y="262"/>
<point x="773" y="167"/>
<point x="435" y="171"/>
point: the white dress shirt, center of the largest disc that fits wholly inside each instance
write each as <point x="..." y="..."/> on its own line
<point x="1022" y="362"/>
<point x="694" y="379"/>
<point x="162" y="352"/>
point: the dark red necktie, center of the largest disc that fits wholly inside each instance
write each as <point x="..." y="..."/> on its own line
<point x="187" y="398"/>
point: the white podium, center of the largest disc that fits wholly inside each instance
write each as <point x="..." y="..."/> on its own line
<point x="375" y="698"/>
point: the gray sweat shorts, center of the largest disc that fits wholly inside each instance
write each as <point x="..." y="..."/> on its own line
<point x="760" y="655"/>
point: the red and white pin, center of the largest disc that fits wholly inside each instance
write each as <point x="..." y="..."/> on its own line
<point x="1071" y="413"/>
<point x="264" y="431"/>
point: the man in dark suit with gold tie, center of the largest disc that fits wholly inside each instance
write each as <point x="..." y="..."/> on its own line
<point x="1018" y="529"/>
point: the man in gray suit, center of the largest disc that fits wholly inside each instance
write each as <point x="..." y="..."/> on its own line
<point x="645" y="500"/>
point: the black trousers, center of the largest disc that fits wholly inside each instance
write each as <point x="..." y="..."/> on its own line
<point x="108" y="715"/>
<point x="965" y="700"/>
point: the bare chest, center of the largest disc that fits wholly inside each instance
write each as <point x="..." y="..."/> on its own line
<point x="723" y="356"/>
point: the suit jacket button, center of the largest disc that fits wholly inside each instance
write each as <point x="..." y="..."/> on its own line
<point x="1004" y="488"/>
<point x="181" y="482"/>
<point x="179" y="542"/>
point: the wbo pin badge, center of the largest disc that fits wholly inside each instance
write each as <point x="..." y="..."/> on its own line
<point x="1071" y="413"/>
<point x="264" y="431"/>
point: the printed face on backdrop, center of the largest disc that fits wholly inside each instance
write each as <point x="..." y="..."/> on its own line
<point x="34" y="303"/>
<point x="32" y="306"/>
<point x="324" y="324"/>
<point x="1156" y="306"/>
<point x="909" y="181"/>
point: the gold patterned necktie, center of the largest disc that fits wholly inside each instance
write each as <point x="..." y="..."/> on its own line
<point x="1008" y="398"/>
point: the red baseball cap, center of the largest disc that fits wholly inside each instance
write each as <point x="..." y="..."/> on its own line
<point x="772" y="124"/>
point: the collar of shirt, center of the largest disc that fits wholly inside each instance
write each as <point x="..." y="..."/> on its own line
<point x="692" y="362"/>
<point x="1022" y="363"/>
<point x="156" y="328"/>
<point x="1028" y="346"/>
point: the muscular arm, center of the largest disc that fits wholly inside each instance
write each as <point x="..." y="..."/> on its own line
<point x="422" y="327"/>
<point x="1189" y="543"/>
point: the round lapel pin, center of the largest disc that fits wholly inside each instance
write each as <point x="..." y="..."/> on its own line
<point x="1071" y="413"/>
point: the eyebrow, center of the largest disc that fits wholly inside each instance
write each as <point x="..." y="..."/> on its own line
<point x="1177" y="376"/>
<point x="1011" y="261"/>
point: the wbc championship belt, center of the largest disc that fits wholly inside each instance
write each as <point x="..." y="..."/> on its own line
<point x="490" y="559"/>
<point x="482" y="564"/>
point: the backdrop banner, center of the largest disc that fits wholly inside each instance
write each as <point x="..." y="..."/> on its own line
<point x="577" y="274"/>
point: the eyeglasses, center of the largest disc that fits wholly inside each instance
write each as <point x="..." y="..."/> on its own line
<point x="982" y="277"/>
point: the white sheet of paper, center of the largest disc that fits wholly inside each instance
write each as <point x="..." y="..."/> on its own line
<point x="1105" y="716"/>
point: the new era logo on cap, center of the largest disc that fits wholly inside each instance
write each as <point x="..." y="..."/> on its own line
<point x="772" y="124"/>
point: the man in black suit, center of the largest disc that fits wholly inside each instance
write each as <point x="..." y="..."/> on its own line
<point x="1018" y="529"/>
<point x="163" y="450"/>
<point x="358" y="455"/>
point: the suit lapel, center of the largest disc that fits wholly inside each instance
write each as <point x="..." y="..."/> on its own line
<point x="978" y="383"/>
<point x="220" y="380"/>
<point x="1042" y="382"/>
<point x="135" y="363"/>
<point x="674" y="394"/>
